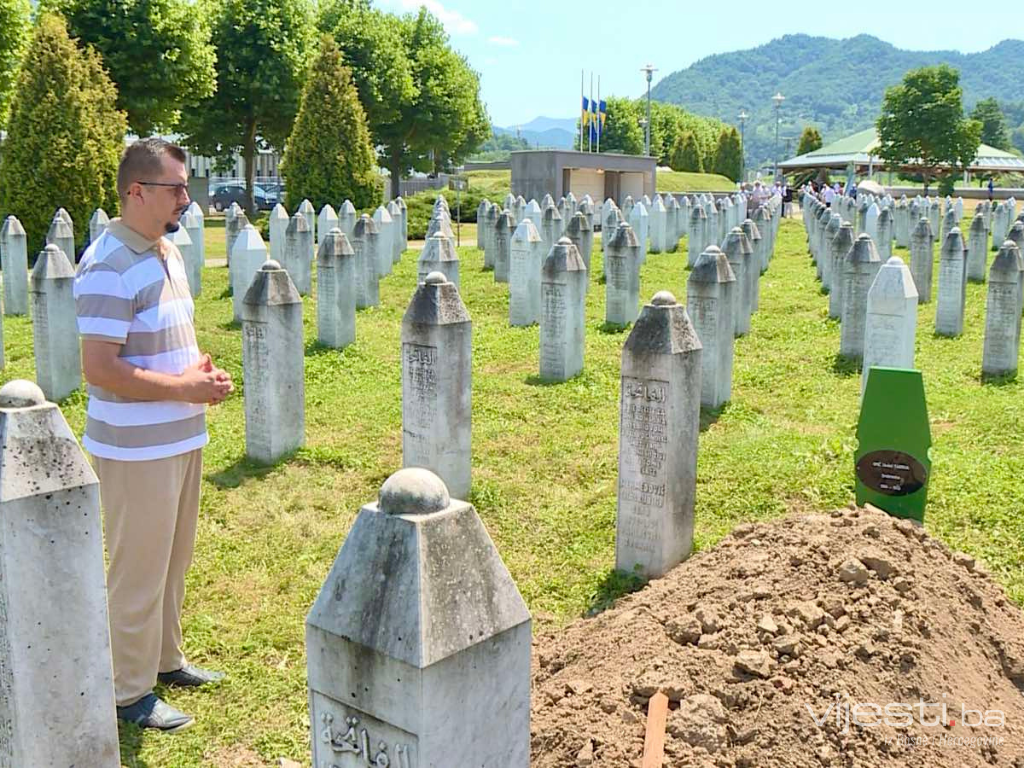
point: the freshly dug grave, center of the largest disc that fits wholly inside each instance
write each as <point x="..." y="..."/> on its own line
<point x="850" y="609"/>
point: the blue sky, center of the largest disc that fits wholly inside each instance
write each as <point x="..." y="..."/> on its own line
<point x="529" y="54"/>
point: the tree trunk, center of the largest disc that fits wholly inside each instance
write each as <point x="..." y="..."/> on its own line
<point x="395" y="168"/>
<point x="249" y="156"/>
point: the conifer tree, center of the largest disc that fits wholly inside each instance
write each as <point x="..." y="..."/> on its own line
<point x="729" y="154"/>
<point x="686" y="154"/>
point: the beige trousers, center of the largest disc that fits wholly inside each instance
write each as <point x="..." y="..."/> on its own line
<point x="150" y="511"/>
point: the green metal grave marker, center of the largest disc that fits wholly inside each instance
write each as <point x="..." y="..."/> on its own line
<point x="891" y="463"/>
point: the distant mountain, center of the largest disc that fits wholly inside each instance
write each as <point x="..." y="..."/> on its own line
<point x="541" y="124"/>
<point x="834" y="85"/>
<point x="544" y="132"/>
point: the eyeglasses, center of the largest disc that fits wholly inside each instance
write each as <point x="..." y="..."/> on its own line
<point x="178" y="188"/>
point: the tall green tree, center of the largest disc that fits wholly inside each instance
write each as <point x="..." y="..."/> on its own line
<point x="994" y="131"/>
<point x="15" y="25"/>
<point x="65" y="136"/>
<point x="622" y="131"/>
<point x="261" y="61"/>
<point x="810" y="140"/>
<point x="923" y="124"/>
<point x="686" y="155"/>
<point x="729" y="154"/>
<point x="157" y="52"/>
<point x="329" y="156"/>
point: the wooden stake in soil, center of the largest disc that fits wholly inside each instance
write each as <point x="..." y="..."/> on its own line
<point x="654" y="741"/>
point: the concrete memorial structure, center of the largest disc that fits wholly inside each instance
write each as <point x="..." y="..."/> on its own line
<point x="563" y="293"/>
<point x="366" y="244"/>
<point x="439" y="255"/>
<point x="336" y="280"/>
<point x="56" y="679"/>
<point x="922" y="254"/>
<point x="659" y="425"/>
<point x="247" y="257"/>
<point x="977" y="249"/>
<point x="952" y="292"/>
<point x="404" y="670"/>
<point x="527" y="260"/>
<point x="437" y="383"/>
<point x="860" y="267"/>
<point x="55" y="325"/>
<point x="891" y="325"/>
<point x="272" y="366"/>
<point x="622" y="276"/>
<point x="14" y="265"/>
<point x="1002" y="314"/>
<point x="709" y="303"/>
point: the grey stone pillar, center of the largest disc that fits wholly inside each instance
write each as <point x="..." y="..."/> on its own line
<point x="753" y="233"/>
<point x="232" y="226"/>
<point x="563" y="293"/>
<point x="55" y="325"/>
<point x="948" y="223"/>
<point x="764" y="226"/>
<point x="56" y="679"/>
<point x="194" y="226"/>
<point x="582" y="236"/>
<point x="839" y="247"/>
<point x="335" y="290"/>
<point x="398" y="235"/>
<point x="62" y="235"/>
<point x="658" y="215"/>
<point x="309" y="212"/>
<point x="97" y="224"/>
<point x="695" y="243"/>
<point x="14" y="263"/>
<point x="527" y="260"/>
<point x="639" y="220"/>
<point x="622" y="276"/>
<point x="481" y="213"/>
<point x="550" y="226"/>
<point x="885" y="235"/>
<point x="183" y="241"/>
<point x="672" y="233"/>
<point x="404" y="208"/>
<point x="297" y="253"/>
<point x="347" y="219"/>
<point x="659" y="425"/>
<point x="891" y="325"/>
<point x="1002" y="313"/>
<point x="366" y="244"/>
<point x="489" y="223"/>
<point x="247" y="257"/>
<point x="403" y="669"/>
<point x="437" y="352"/>
<point x="326" y="220"/>
<point x="738" y="254"/>
<point x="860" y="267"/>
<point x="952" y="292"/>
<point x="922" y="255"/>
<point x="272" y="366"/>
<point x="439" y="255"/>
<point x="709" y="303"/>
<point x="386" y="249"/>
<point x="825" y="257"/>
<point x="977" y="249"/>
<point x="501" y="238"/>
<point x="199" y="235"/>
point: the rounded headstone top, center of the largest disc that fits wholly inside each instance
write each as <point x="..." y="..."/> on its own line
<point x="413" y="491"/>
<point x="895" y="261"/>
<point x="664" y="299"/>
<point x="270" y="265"/>
<point x="435" y="278"/>
<point x="19" y="393"/>
<point x="564" y="241"/>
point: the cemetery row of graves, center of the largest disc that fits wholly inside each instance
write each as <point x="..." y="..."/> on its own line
<point x="553" y="379"/>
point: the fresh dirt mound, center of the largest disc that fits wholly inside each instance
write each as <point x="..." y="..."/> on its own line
<point x="855" y="610"/>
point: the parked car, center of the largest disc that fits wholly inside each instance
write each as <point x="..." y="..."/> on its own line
<point x="275" y="192"/>
<point x="227" y="194"/>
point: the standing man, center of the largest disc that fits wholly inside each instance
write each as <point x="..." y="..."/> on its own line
<point x="149" y="386"/>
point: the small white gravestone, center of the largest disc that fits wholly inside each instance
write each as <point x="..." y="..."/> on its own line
<point x="671" y="223"/>
<point x="527" y="260"/>
<point x="884" y="242"/>
<point x="639" y="220"/>
<point x="272" y="366"/>
<point x="952" y="291"/>
<point x="238" y="223"/>
<point x="386" y="228"/>
<point x="977" y="249"/>
<point x="501" y="238"/>
<point x="948" y="222"/>
<point x="860" y="266"/>
<point x="247" y="257"/>
<point x="563" y="293"/>
<point x="698" y="228"/>
<point x="934" y="214"/>
<point x="767" y="230"/>
<point x="838" y="248"/>
<point x="335" y="290"/>
<point x="55" y="324"/>
<point x="404" y="670"/>
<point x="189" y="262"/>
<point x="366" y="244"/>
<point x="550" y="226"/>
<point x="347" y="219"/>
<point x="711" y="232"/>
<point x="297" y="255"/>
<point x="62" y="235"/>
<point x="659" y="425"/>
<point x="488" y="224"/>
<point x="546" y="201"/>
<point x="622" y="276"/>
<point x="98" y="224"/>
<point x="437" y="353"/>
<point x="891" y="326"/>
<point x="659" y="241"/>
<point x="56" y="680"/>
<point x="278" y="224"/>
<point x="578" y="230"/>
<point x="825" y="257"/>
<point x="753" y="233"/>
<point x="481" y="213"/>
<point x="534" y="213"/>
<point x="404" y="208"/>
<point x="14" y="265"/>
<point x="1002" y="313"/>
<point x="306" y="209"/>
<point x="627" y="208"/>
<point x="520" y="210"/>
<point x="922" y="247"/>
<point x="199" y="237"/>
<point x="397" y="237"/>
<point x="871" y="222"/>
<point x="440" y="222"/>
<point x="194" y="227"/>
<point x="709" y="303"/>
<point x="610" y="218"/>
<point x="821" y="240"/>
<point x="326" y="220"/>
<point x="739" y="261"/>
<point x="438" y="255"/>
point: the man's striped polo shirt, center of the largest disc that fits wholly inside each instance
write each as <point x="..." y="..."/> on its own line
<point x="127" y="294"/>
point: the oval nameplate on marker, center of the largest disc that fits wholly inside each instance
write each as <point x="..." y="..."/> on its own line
<point x="893" y="473"/>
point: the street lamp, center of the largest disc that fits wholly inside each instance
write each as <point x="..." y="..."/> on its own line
<point x="648" y="70"/>
<point x="778" y="98"/>
<point x="743" y="146"/>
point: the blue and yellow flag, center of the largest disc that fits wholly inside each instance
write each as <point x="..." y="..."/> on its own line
<point x="586" y="112"/>
<point x="594" y="130"/>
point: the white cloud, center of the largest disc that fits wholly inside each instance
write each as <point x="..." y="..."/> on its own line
<point x="454" y="22"/>
<point x="507" y="42"/>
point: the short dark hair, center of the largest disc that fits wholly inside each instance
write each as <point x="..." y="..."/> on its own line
<point x="145" y="158"/>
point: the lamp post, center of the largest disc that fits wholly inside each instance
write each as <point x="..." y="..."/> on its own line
<point x="778" y="98"/>
<point x="743" y="147"/>
<point x="648" y="70"/>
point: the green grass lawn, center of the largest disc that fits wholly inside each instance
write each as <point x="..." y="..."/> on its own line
<point x="544" y="472"/>
<point x="680" y="181"/>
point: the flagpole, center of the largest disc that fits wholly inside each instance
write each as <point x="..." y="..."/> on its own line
<point x="590" y="133"/>
<point x="581" y="110"/>
<point x="599" y="114"/>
